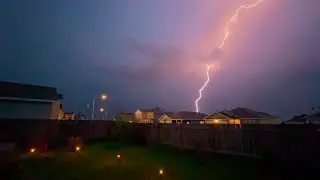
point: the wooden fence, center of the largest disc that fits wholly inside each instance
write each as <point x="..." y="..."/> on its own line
<point x="289" y="143"/>
<point x="285" y="143"/>
<point x="27" y="133"/>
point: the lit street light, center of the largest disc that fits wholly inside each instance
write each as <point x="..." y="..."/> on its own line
<point x="102" y="97"/>
<point x="102" y="110"/>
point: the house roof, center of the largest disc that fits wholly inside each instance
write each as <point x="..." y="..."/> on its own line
<point x="27" y="91"/>
<point x="222" y="114"/>
<point x="300" y="118"/>
<point x="305" y="117"/>
<point x="156" y="110"/>
<point x="248" y="113"/>
<point x="186" y="115"/>
<point x="126" y="113"/>
<point x="229" y="114"/>
<point x="315" y="113"/>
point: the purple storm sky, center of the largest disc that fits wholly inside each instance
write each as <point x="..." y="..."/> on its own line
<point x="147" y="53"/>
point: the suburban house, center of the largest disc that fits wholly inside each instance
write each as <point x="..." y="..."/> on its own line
<point x="80" y="116"/>
<point x="24" y="101"/>
<point x="185" y="117"/>
<point x="248" y="116"/>
<point x="60" y="114"/>
<point x="241" y="116"/>
<point x="312" y="118"/>
<point x="222" y="117"/>
<point x="148" y="115"/>
<point x="125" y="117"/>
<point x="301" y="119"/>
<point x="69" y="116"/>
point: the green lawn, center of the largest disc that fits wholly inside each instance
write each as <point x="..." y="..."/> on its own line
<point x="99" y="161"/>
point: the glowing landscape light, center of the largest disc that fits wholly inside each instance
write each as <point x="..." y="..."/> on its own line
<point x="160" y="172"/>
<point x="32" y="150"/>
<point x="78" y="148"/>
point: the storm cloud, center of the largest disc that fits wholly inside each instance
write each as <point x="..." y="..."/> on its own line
<point x="147" y="53"/>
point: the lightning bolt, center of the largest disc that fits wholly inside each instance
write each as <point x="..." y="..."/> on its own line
<point x="204" y="85"/>
<point x="227" y="33"/>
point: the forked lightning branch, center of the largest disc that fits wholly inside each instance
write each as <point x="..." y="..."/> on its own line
<point x="227" y="33"/>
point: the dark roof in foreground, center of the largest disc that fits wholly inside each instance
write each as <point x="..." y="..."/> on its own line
<point x="28" y="91"/>
<point x="186" y="115"/>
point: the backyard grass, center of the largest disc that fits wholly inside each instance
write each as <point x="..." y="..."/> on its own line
<point x="99" y="161"/>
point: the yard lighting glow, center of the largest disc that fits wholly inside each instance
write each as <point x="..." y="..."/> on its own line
<point x="161" y="172"/>
<point x="118" y="156"/>
<point x="32" y="150"/>
<point x="78" y="148"/>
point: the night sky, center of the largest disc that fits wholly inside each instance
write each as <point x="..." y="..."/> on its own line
<point x="147" y="53"/>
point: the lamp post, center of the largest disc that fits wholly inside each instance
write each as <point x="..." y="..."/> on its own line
<point x="103" y="97"/>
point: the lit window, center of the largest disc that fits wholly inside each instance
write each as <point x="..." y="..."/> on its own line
<point x="234" y="121"/>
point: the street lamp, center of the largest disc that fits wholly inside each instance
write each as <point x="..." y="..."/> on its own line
<point x="102" y="110"/>
<point x="102" y="97"/>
